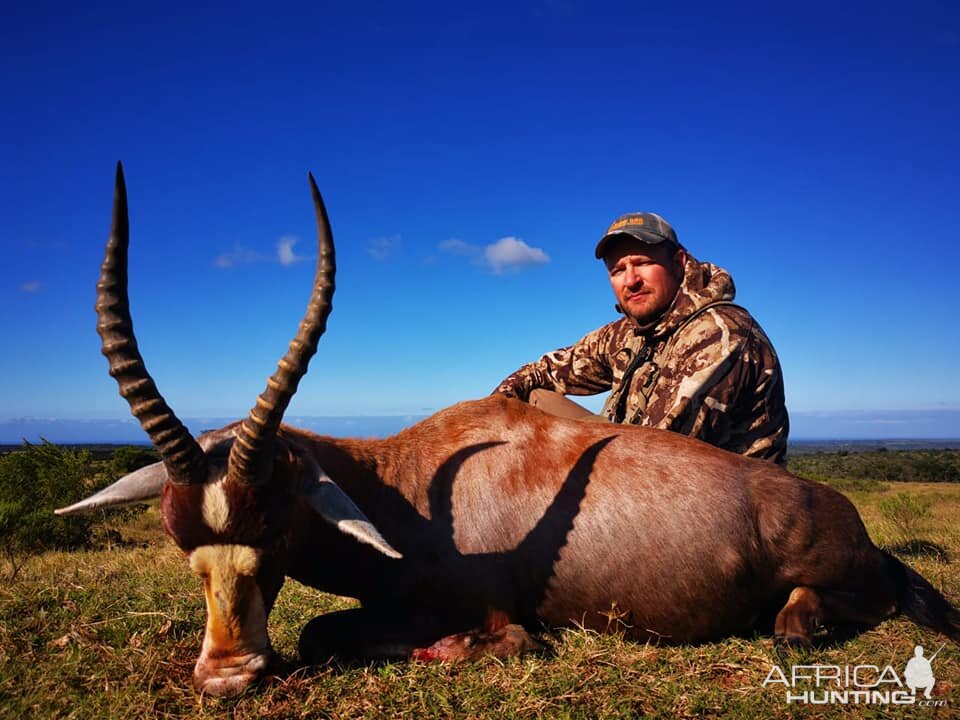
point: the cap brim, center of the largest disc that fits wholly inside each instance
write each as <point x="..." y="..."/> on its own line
<point x="641" y="235"/>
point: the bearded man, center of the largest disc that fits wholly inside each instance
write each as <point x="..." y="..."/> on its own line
<point x="682" y="357"/>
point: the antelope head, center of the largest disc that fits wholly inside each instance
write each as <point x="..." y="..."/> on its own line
<point x="227" y="497"/>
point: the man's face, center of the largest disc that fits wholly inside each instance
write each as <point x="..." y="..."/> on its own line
<point x="645" y="277"/>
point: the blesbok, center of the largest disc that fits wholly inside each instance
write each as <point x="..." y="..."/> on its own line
<point x="486" y="520"/>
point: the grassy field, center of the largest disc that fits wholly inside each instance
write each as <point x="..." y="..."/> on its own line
<point x="114" y="633"/>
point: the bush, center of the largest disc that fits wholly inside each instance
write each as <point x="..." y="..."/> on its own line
<point x="908" y="514"/>
<point x="129" y="458"/>
<point x="123" y="461"/>
<point x="33" y="483"/>
<point x="848" y="485"/>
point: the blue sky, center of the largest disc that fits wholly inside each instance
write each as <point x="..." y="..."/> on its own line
<point x="470" y="156"/>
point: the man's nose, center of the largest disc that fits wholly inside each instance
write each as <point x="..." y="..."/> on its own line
<point x="630" y="277"/>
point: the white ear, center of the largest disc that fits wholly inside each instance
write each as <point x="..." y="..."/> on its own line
<point x="140" y="485"/>
<point x="336" y="507"/>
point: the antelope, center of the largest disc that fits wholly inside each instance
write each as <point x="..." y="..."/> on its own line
<point x="485" y="522"/>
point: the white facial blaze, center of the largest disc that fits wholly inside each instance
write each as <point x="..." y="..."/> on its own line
<point x="216" y="507"/>
<point x="227" y="560"/>
<point x="236" y="640"/>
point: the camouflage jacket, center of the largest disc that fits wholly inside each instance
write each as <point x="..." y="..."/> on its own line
<point x="704" y="369"/>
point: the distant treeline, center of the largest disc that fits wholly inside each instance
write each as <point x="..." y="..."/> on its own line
<point x="97" y="451"/>
<point x="942" y="465"/>
<point x="883" y="465"/>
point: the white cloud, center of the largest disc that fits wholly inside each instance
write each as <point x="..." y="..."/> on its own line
<point x="510" y="253"/>
<point x="285" y="254"/>
<point x="380" y="249"/>
<point x="455" y="246"/>
<point x="31" y="286"/>
<point x="507" y="253"/>
<point x="238" y="256"/>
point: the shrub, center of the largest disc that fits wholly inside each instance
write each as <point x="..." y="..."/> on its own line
<point x="124" y="460"/>
<point x="848" y="485"/>
<point x="129" y="458"/>
<point x="33" y="482"/>
<point x="908" y="514"/>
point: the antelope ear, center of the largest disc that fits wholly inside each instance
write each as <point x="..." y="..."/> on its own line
<point x="140" y="485"/>
<point x="335" y="506"/>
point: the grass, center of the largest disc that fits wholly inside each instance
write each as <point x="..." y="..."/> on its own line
<point x="115" y="633"/>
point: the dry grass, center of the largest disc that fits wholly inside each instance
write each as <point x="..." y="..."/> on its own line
<point x="115" y="633"/>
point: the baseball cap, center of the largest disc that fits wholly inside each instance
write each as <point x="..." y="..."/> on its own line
<point x="647" y="227"/>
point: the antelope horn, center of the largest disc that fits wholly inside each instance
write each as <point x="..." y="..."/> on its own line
<point x="181" y="454"/>
<point x="251" y="456"/>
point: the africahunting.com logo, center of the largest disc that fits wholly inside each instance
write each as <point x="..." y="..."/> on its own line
<point x="859" y="684"/>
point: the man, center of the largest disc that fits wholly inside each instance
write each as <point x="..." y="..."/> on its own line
<point x="683" y="357"/>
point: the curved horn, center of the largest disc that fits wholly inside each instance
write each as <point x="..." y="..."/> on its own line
<point x="251" y="456"/>
<point x="181" y="454"/>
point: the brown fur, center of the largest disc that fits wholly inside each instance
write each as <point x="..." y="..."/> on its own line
<point x="502" y="510"/>
<point x="508" y="517"/>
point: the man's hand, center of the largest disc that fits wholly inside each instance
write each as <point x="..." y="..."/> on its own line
<point x="508" y="389"/>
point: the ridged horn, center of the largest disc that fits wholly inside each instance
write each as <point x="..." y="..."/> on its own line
<point x="181" y="454"/>
<point x="251" y="456"/>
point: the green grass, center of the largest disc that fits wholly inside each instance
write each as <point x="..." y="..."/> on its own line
<point x="115" y="633"/>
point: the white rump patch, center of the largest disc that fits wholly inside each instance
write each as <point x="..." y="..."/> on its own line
<point x="216" y="508"/>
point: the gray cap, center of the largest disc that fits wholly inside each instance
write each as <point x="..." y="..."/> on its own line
<point x="644" y="226"/>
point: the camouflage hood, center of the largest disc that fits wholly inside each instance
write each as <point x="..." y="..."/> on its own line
<point x="703" y="283"/>
<point x="704" y="369"/>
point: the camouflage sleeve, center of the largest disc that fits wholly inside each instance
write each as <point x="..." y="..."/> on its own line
<point x="725" y="388"/>
<point x="580" y="369"/>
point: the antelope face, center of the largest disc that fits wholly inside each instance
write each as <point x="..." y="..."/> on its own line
<point x="221" y="497"/>
<point x="236" y="648"/>
<point x="232" y="533"/>
<point x="227" y="497"/>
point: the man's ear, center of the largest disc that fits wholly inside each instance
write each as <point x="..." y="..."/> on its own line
<point x="680" y="261"/>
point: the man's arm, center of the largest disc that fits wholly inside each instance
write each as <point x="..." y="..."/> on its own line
<point x="580" y="369"/>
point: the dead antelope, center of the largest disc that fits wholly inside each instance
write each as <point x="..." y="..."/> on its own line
<point x="482" y="520"/>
